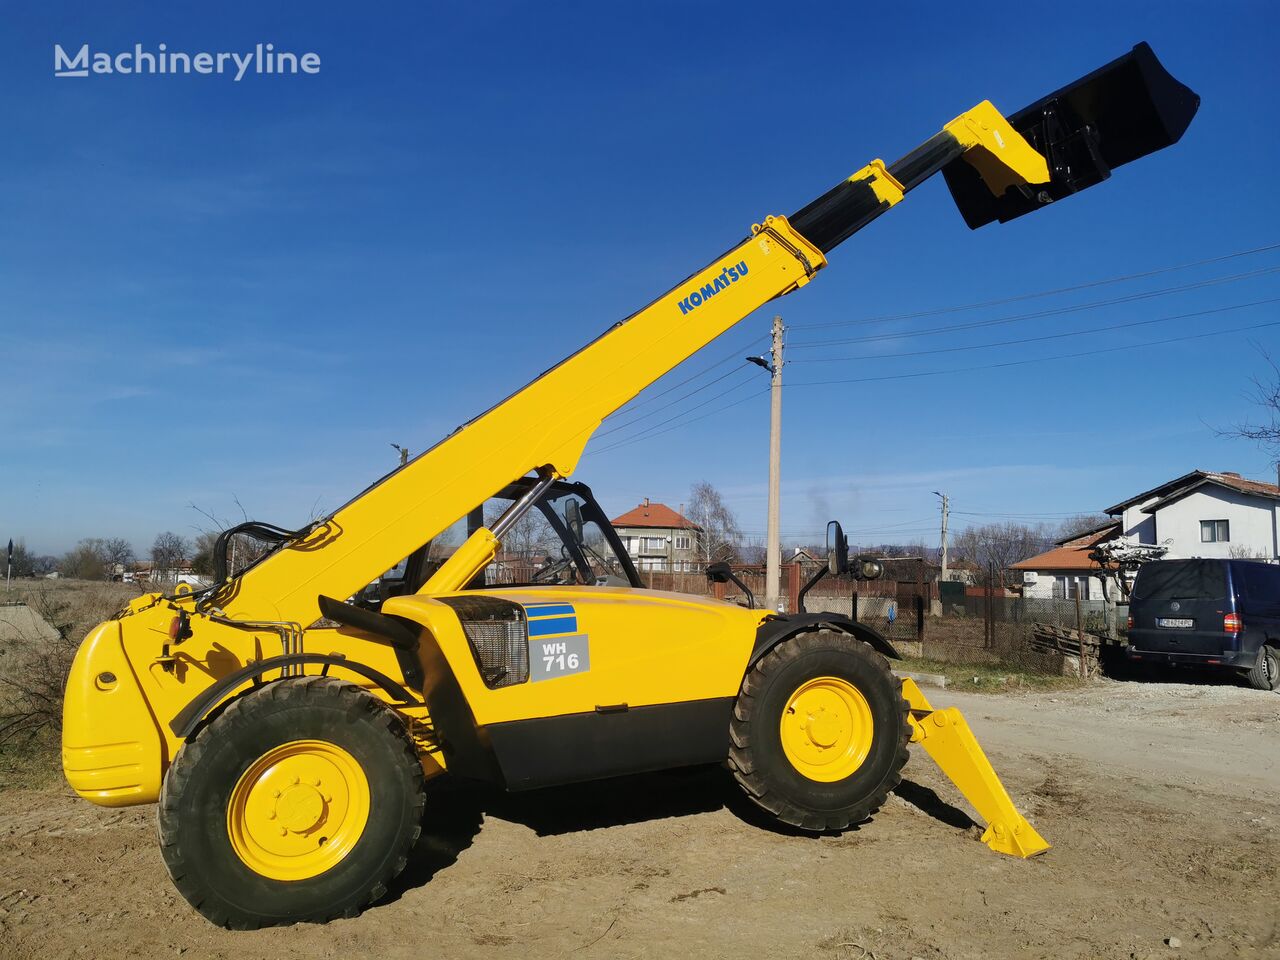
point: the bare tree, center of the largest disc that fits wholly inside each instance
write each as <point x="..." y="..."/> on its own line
<point x="117" y="554"/>
<point x="719" y="534"/>
<point x="1240" y="551"/>
<point x="1266" y="394"/>
<point x="202" y="552"/>
<point x="23" y="561"/>
<point x="167" y="552"/>
<point x="85" y="561"/>
<point x="1081" y="524"/>
<point x="1001" y="545"/>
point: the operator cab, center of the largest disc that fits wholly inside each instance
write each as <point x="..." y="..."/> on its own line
<point x="566" y="539"/>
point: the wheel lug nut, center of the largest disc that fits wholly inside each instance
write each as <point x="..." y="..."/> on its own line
<point x="283" y="831"/>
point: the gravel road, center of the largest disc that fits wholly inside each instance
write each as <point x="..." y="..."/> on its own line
<point x="1162" y="802"/>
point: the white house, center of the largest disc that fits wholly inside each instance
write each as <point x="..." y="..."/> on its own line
<point x="1066" y="572"/>
<point x="1201" y="514"/>
<point x="1205" y="514"/>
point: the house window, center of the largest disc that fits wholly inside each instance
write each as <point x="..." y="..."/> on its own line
<point x="684" y="543"/>
<point x="1215" y="531"/>
<point x="652" y="544"/>
<point x="1071" y="588"/>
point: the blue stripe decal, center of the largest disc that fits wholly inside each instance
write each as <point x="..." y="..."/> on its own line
<point x="543" y="628"/>
<point x="549" y="609"/>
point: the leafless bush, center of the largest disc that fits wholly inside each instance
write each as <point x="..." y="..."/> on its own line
<point x="34" y="663"/>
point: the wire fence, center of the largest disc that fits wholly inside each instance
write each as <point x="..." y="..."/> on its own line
<point x="983" y="621"/>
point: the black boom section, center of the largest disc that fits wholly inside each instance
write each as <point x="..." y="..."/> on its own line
<point x="838" y="214"/>
<point x="849" y="206"/>
<point x="1119" y="113"/>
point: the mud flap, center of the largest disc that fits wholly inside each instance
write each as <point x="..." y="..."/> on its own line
<point x="947" y="738"/>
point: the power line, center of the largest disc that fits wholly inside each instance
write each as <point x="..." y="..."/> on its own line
<point x="656" y="410"/>
<point x="1018" y="363"/>
<point x="1043" y="293"/>
<point x="1053" y="312"/>
<point x="1049" y="336"/>
<point x="650" y="434"/>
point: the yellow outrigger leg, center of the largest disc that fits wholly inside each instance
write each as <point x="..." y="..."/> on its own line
<point x="948" y="739"/>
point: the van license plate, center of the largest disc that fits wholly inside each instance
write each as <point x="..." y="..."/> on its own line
<point x="1181" y="623"/>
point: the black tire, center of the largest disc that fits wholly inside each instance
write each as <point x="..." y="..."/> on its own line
<point x="194" y="837"/>
<point x="756" y="754"/>
<point x="1265" y="674"/>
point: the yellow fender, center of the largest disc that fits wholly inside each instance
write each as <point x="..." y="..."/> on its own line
<point x="947" y="738"/>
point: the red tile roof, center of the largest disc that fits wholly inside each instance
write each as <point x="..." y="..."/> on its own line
<point x="654" y="515"/>
<point x="1072" y="555"/>
<point x="1175" y="489"/>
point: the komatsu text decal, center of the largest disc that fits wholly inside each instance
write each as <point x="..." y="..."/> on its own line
<point x="708" y="290"/>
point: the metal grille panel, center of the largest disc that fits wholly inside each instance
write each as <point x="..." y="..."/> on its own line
<point x="502" y="648"/>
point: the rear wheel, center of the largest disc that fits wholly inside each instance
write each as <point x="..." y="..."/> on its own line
<point x="1265" y="674"/>
<point x="819" y="731"/>
<point x="300" y="802"/>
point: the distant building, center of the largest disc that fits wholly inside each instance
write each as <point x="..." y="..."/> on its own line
<point x="1066" y="572"/>
<point x="1200" y="514"/>
<point x="1205" y="514"/>
<point x="659" y="538"/>
<point x="144" y="572"/>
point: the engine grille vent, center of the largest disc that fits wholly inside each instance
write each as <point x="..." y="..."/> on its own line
<point x="502" y="648"/>
<point x="499" y="638"/>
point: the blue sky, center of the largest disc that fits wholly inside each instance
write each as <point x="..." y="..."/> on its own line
<point x="214" y="291"/>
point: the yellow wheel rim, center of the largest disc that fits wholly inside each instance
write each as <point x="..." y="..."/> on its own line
<point x="827" y="729"/>
<point x="298" y="810"/>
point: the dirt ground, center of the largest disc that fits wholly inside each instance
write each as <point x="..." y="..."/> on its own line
<point x="1162" y="802"/>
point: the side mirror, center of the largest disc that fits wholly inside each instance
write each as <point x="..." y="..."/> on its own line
<point x="573" y="519"/>
<point x="868" y="568"/>
<point x="837" y="549"/>
<point x="719" y="572"/>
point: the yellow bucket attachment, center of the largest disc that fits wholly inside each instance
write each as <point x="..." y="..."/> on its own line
<point x="948" y="739"/>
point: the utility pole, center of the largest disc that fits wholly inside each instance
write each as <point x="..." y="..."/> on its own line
<point x="773" y="545"/>
<point x="773" y="560"/>
<point x="946" y="513"/>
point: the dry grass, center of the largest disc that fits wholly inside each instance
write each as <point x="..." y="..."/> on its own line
<point x="989" y="678"/>
<point x="33" y="669"/>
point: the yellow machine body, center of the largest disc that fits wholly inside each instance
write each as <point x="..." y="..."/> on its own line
<point x="660" y="671"/>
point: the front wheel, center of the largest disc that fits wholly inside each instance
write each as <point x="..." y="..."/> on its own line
<point x="819" y="732"/>
<point x="299" y="802"/>
<point x="1265" y="674"/>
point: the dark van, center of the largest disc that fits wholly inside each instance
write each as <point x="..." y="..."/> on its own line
<point x="1213" y="613"/>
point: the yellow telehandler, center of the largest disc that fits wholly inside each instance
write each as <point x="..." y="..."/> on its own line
<point x="287" y="716"/>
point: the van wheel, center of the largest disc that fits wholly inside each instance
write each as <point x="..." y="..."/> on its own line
<point x="1266" y="672"/>
<point x="819" y="732"/>
<point x="299" y="802"/>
